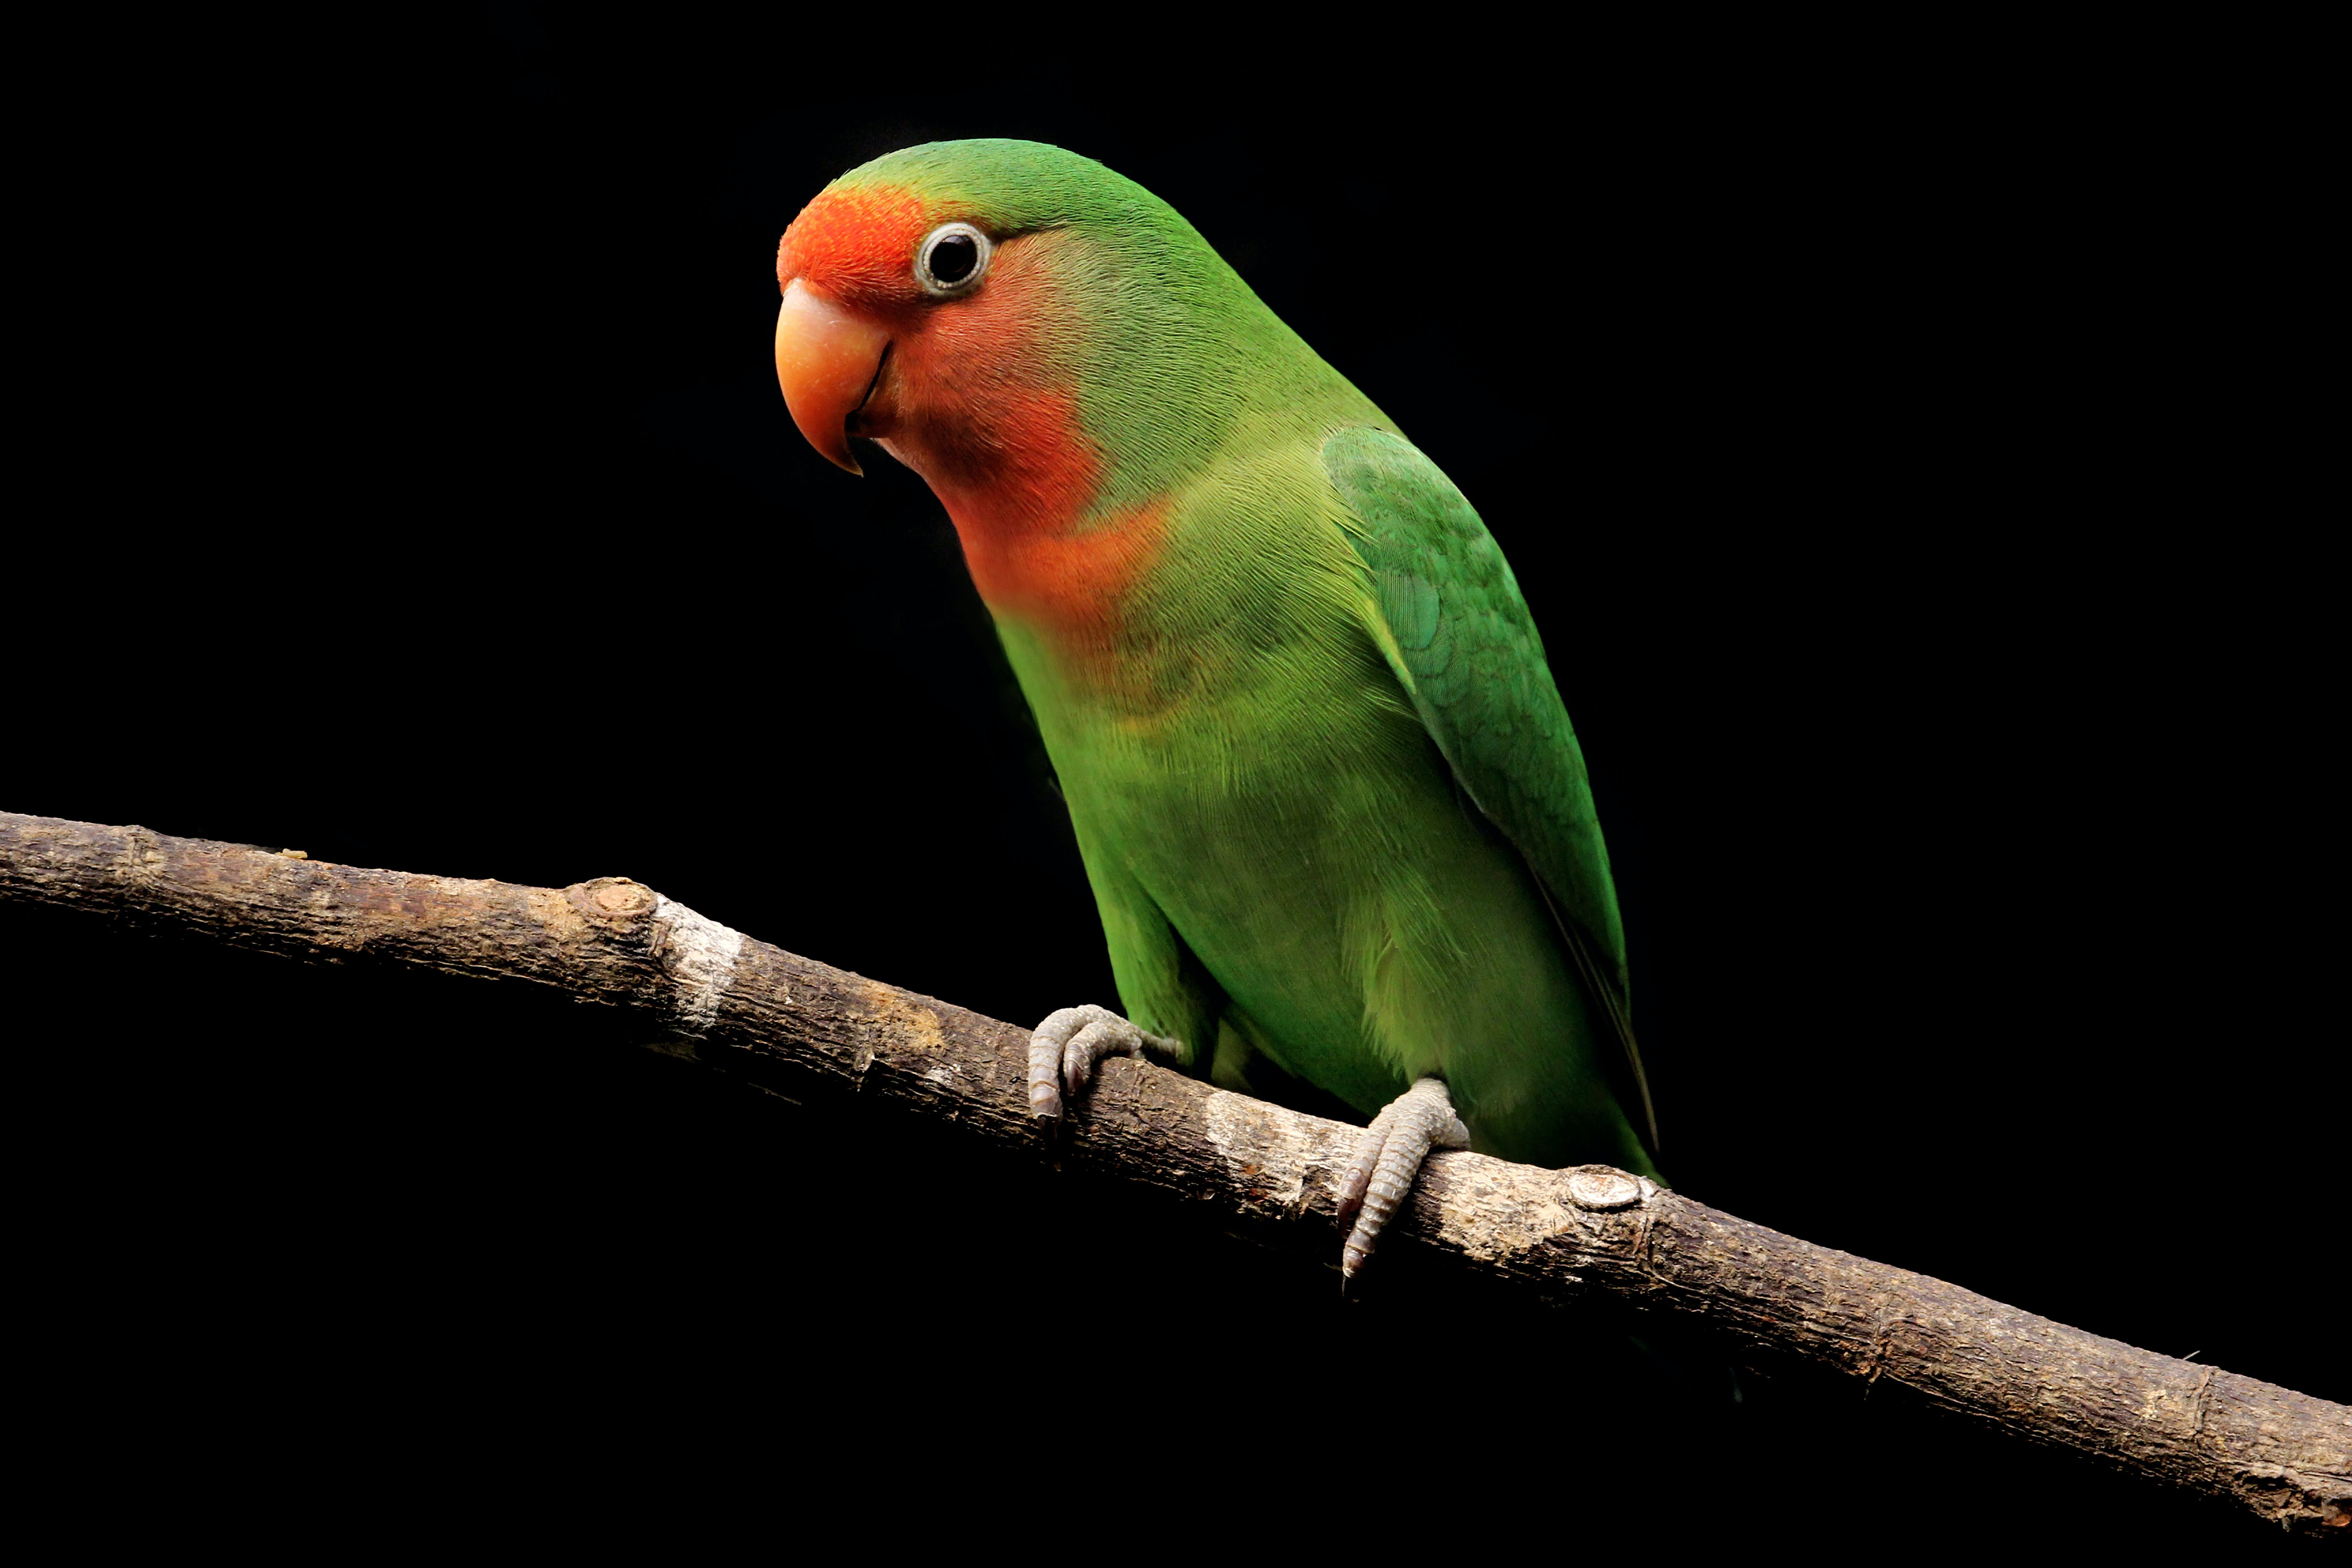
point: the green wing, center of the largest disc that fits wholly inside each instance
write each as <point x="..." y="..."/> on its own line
<point x="1458" y="636"/>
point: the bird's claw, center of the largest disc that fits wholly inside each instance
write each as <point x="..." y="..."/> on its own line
<point x="1388" y="1156"/>
<point x="1065" y="1048"/>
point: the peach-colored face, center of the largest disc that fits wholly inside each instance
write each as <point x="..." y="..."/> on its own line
<point x="862" y="347"/>
<point x="966" y="390"/>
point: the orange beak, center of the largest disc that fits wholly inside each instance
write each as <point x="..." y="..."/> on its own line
<point x="827" y="362"/>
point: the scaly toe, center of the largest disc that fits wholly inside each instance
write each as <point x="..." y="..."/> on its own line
<point x="1065" y="1048"/>
<point x="1379" y="1176"/>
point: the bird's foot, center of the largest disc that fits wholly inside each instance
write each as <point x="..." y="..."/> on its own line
<point x="1068" y="1043"/>
<point x="1387" y="1158"/>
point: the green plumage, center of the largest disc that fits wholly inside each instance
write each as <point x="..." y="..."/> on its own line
<point x="1332" y="809"/>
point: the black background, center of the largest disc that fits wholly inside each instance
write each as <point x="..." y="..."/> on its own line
<point x="1876" y="449"/>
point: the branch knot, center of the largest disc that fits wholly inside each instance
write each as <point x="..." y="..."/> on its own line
<point x="613" y="906"/>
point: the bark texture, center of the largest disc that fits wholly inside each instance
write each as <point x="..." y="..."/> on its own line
<point x="789" y="1023"/>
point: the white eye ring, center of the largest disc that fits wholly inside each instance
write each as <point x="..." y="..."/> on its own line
<point x="933" y="284"/>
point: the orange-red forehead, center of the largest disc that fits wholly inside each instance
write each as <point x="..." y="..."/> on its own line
<point x="857" y="243"/>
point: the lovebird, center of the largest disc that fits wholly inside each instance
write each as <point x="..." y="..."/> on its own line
<point x="1333" y="813"/>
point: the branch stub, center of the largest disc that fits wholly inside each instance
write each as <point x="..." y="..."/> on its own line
<point x="1602" y="1187"/>
<point x="612" y="904"/>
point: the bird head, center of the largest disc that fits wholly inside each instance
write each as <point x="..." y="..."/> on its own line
<point x="1013" y="320"/>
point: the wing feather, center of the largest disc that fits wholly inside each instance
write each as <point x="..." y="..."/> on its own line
<point x="1454" y="627"/>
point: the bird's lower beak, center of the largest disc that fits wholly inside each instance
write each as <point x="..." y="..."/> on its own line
<point x="827" y="360"/>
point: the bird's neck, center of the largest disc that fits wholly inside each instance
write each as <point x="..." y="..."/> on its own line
<point x="1024" y="502"/>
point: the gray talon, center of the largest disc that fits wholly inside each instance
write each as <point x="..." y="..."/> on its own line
<point x="1067" y="1045"/>
<point x="1387" y="1158"/>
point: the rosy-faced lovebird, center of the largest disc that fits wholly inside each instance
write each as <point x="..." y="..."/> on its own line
<point x="1333" y="812"/>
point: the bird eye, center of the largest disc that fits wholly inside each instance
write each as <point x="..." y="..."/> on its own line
<point x="953" y="259"/>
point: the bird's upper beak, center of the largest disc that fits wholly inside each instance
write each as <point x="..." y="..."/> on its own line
<point x="827" y="362"/>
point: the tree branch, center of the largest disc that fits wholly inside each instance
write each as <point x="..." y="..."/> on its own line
<point x="744" y="1008"/>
